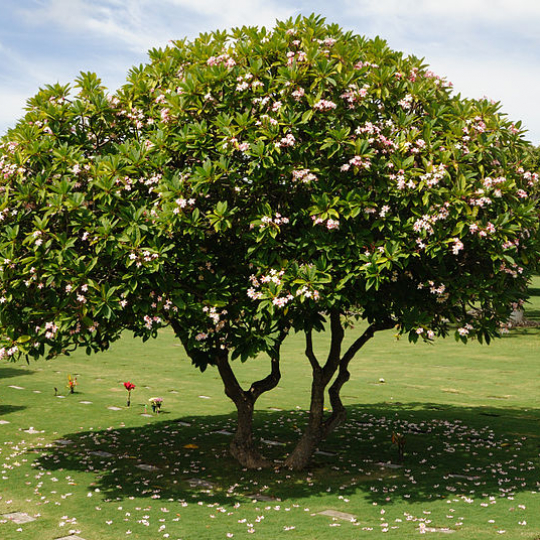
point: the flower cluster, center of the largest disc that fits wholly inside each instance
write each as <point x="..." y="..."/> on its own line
<point x="277" y="220"/>
<point x="299" y="56"/>
<point x="303" y="175"/>
<point x="298" y="94"/>
<point x="150" y="322"/>
<point x="356" y="161"/>
<point x="266" y="118"/>
<point x="235" y="144"/>
<point x="7" y="167"/>
<point x="457" y="245"/>
<point x="142" y="257"/>
<point x="426" y="334"/>
<point x="324" y="105"/>
<point x="513" y="270"/>
<point x="8" y="352"/>
<point x="218" y="320"/>
<point x="354" y="95"/>
<point x="433" y="177"/>
<point x="438" y="290"/>
<point x="329" y="223"/>
<point x="287" y="141"/>
<point x="465" y="330"/>
<point x="182" y="203"/>
<point x="224" y="59"/>
<point x="50" y="330"/>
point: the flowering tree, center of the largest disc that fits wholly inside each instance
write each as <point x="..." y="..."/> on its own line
<point x="251" y="182"/>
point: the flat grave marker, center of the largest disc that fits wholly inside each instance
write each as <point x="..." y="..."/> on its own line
<point x="145" y="467"/>
<point x="19" y="517"/>
<point x="338" y="515"/>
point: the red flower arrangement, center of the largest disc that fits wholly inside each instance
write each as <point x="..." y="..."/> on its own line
<point x="129" y="387"/>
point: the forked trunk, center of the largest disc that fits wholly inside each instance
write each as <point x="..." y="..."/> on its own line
<point x="319" y="427"/>
<point x="242" y="447"/>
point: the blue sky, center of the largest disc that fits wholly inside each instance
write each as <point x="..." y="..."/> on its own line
<point x="485" y="47"/>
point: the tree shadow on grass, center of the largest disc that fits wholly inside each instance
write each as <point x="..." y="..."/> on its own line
<point x="9" y="372"/>
<point x="449" y="452"/>
<point x="8" y="409"/>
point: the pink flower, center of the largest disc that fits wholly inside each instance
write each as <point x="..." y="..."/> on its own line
<point x="332" y="224"/>
<point x="324" y="105"/>
<point x="458" y="246"/>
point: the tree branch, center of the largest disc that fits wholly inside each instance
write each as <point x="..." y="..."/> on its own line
<point x="309" y="351"/>
<point x="273" y="378"/>
<point x="338" y="410"/>
<point x="233" y="390"/>
<point x="334" y="354"/>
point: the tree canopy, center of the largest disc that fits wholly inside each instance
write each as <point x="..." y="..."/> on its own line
<point x="251" y="182"/>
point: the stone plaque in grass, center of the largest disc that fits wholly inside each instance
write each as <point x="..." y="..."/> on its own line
<point x="146" y="415"/>
<point x="464" y="477"/>
<point x="16" y="387"/>
<point x="101" y="453"/>
<point x="182" y="423"/>
<point x="272" y="443"/>
<point x="324" y="453"/>
<point x="145" y="467"/>
<point x="85" y="402"/>
<point x="70" y="537"/>
<point x="199" y="482"/>
<point x="114" y="408"/>
<point x="19" y="517"/>
<point x="32" y="430"/>
<point x="222" y="432"/>
<point x="437" y="530"/>
<point x="338" y="515"/>
<point x="390" y="465"/>
<point x="4" y="422"/>
<point x="63" y="441"/>
<point x="262" y="498"/>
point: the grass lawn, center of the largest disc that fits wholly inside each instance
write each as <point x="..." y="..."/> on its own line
<point x="470" y="414"/>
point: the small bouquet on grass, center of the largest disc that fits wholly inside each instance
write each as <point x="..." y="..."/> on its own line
<point x="129" y="387"/>
<point x="156" y="403"/>
<point x="72" y="383"/>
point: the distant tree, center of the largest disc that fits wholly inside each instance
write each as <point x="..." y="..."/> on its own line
<point x="256" y="181"/>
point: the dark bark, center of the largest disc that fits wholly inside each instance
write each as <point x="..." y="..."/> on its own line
<point x="242" y="447"/>
<point x="318" y="427"/>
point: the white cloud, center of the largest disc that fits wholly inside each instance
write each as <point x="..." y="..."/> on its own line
<point x="515" y="86"/>
<point x="483" y="46"/>
<point x="142" y="24"/>
<point x="12" y="108"/>
<point x="500" y="10"/>
<point x="232" y="13"/>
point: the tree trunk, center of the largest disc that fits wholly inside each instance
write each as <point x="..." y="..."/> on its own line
<point x="313" y="434"/>
<point x="242" y="447"/>
<point x="318" y="427"/>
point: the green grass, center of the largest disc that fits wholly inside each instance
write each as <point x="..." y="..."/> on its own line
<point x="471" y="415"/>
